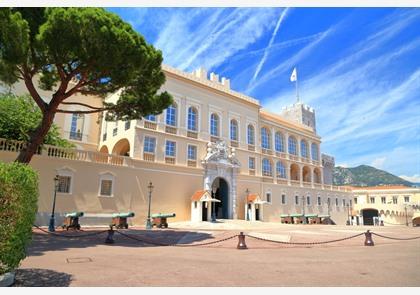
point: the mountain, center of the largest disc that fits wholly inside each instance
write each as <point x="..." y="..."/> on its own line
<point x="365" y="175"/>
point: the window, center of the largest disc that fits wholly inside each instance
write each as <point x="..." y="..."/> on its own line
<point x="149" y="144"/>
<point x="192" y="152"/>
<point x="308" y="200"/>
<point x="192" y="119"/>
<point x="336" y="202"/>
<point x="406" y="199"/>
<point x="265" y="138"/>
<point x="292" y="145"/>
<point x="372" y="200"/>
<point x="296" y="200"/>
<point x="251" y="163"/>
<point x="106" y="187"/>
<point x="355" y="201"/>
<point x="344" y="203"/>
<point x="127" y="124"/>
<point x="170" y="148"/>
<point x="351" y="204"/>
<point x="214" y="125"/>
<point x="76" y="128"/>
<point x="234" y="130"/>
<point x="394" y="200"/>
<point x="383" y="200"/>
<point x="278" y="142"/>
<point x="328" y="202"/>
<point x="64" y="183"/>
<point x="150" y="118"/>
<point x="251" y="134"/>
<point x="268" y="197"/>
<point x="171" y="115"/>
<point x="281" y="170"/>
<point x="266" y="168"/>
<point x="303" y="149"/>
<point x="319" y="201"/>
<point x="115" y="130"/>
<point x="314" y="152"/>
<point x="283" y="199"/>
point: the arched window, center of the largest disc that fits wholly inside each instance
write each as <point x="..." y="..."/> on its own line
<point x="192" y="119"/>
<point x="150" y="118"/>
<point x="280" y="170"/>
<point x="171" y="115"/>
<point x="314" y="152"/>
<point x="251" y="134"/>
<point x="292" y="145"/>
<point x="233" y="130"/>
<point x="266" y="167"/>
<point x="214" y="125"/>
<point x="278" y="142"/>
<point x="303" y="148"/>
<point x="265" y="138"/>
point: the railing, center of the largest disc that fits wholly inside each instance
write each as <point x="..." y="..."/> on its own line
<point x="307" y="184"/>
<point x="170" y="160"/>
<point x="266" y="151"/>
<point x="65" y="153"/>
<point x="170" y="129"/>
<point x="251" y="147"/>
<point x="268" y="178"/>
<point x="149" y="157"/>
<point x="192" y="163"/>
<point x="295" y="182"/>
<point x="150" y="125"/>
<point x="192" y="134"/>
<point x="281" y="180"/>
<point x="234" y="143"/>
<point x="76" y="136"/>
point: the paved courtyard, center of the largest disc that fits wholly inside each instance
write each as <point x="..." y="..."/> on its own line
<point x="132" y="261"/>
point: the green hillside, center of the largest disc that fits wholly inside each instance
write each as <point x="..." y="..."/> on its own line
<point x="365" y="175"/>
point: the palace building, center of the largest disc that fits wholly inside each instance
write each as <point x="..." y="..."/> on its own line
<point x="213" y="153"/>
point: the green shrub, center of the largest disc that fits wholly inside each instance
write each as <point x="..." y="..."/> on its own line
<point x="18" y="206"/>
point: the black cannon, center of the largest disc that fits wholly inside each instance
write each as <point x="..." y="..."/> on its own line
<point x="71" y="220"/>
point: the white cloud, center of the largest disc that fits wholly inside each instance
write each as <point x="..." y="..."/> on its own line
<point x="413" y="178"/>
<point x="378" y="162"/>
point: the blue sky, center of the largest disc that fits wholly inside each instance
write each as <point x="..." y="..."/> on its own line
<point x="358" y="67"/>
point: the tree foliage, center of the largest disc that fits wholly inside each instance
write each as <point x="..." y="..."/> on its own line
<point x="80" y="50"/>
<point x="19" y="117"/>
<point x="18" y="206"/>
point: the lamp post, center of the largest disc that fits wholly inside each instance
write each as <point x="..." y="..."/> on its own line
<point x="51" y="226"/>
<point x="348" y="214"/>
<point x="329" y="203"/>
<point x="303" y="210"/>
<point x="246" y="203"/>
<point x="406" y="217"/>
<point x="149" y="221"/>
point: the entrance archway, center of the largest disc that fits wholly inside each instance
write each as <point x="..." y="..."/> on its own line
<point x="220" y="191"/>
<point x="368" y="215"/>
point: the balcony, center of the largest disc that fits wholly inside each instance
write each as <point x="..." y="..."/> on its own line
<point x="150" y="157"/>
<point x="251" y="147"/>
<point x="192" y="134"/>
<point x="170" y="129"/>
<point x="76" y="136"/>
<point x="214" y="138"/>
<point x="192" y="163"/>
<point x="170" y="160"/>
<point x="234" y="143"/>
<point x="150" y="125"/>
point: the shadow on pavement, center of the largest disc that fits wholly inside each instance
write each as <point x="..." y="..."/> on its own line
<point x="43" y="242"/>
<point x="36" y="277"/>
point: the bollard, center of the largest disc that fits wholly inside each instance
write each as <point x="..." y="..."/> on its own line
<point x="368" y="240"/>
<point x="241" y="242"/>
<point x="109" y="238"/>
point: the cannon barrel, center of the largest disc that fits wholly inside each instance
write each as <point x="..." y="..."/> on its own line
<point x="163" y="215"/>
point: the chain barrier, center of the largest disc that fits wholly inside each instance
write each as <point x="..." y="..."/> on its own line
<point x="70" y="236"/>
<point x="393" y="238"/>
<point x="398" y="223"/>
<point x="173" y="244"/>
<point x="307" y="243"/>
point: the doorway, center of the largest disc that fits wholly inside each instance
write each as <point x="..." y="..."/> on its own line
<point x="221" y="189"/>
<point x="204" y="209"/>
<point x="368" y="215"/>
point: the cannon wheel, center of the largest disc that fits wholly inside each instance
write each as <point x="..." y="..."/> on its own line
<point x="126" y="226"/>
<point x="166" y="225"/>
<point x="78" y="227"/>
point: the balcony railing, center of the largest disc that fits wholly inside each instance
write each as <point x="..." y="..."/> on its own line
<point x="267" y="178"/>
<point x="192" y="163"/>
<point x="149" y="157"/>
<point x="251" y="147"/>
<point x="281" y="180"/>
<point x="192" y="134"/>
<point x="76" y="135"/>
<point x="170" y="129"/>
<point x="234" y="143"/>
<point x="170" y="160"/>
<point x="295" y="182"/>
<point x="150" y="125"/>
<point x="307" y="184"/>
<point x="266" y="151"/>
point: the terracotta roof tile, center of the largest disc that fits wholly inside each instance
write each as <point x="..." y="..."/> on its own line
<point x="197" y="195"/>
<point x="252" y="198"/>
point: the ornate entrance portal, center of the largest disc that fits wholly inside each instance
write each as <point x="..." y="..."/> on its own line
<point x="221" y="168"/>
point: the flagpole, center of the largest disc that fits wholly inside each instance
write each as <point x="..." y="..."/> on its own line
<point x="297" y="92"/>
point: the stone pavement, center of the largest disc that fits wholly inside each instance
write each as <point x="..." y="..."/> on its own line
<point x="88" y="261"/>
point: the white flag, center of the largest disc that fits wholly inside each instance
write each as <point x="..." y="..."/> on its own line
<point x="293" y="77"/>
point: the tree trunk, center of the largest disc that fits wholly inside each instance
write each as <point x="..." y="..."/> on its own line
<point x="36" y="138"/>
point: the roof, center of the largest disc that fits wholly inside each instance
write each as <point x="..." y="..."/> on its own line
<point x="252" y="198"/>
<point x="381" y="187"/>
<point x="198" y="195"/>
